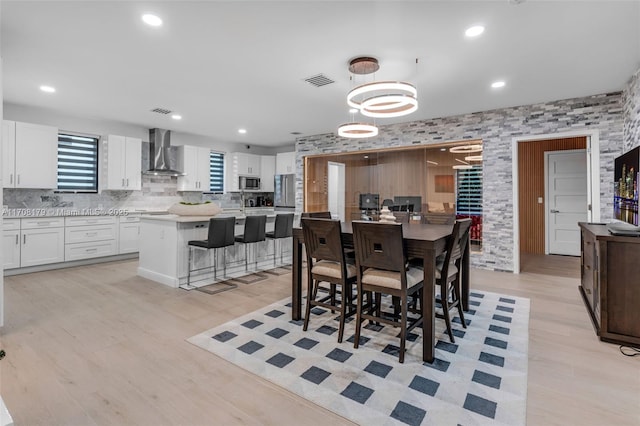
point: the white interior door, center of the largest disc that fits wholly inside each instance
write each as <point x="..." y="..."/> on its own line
<point x="566" y="204"/>
<point x="336" y="190"/>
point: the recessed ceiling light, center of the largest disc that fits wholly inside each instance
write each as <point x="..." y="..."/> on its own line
<point x="443" y="149"/>
<point x="242" y="131"/>
<point x="474" y="31"/>
<point x="48" y="89"/>
<point x="497" y="84"/>
<point x="176" y="117"/>
<point x="353" y="110"/>
<point x="151" y="20"/>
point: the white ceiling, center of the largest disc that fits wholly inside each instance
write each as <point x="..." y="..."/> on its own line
<point x="227" y="65"/>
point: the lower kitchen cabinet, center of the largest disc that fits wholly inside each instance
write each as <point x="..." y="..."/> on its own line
<point x="129" y="234"/>
<point x="11" y="243"/>
<point x="90" y="236"/>
<point x="41" y="246"/>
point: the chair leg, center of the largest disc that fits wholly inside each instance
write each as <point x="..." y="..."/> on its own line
<point x="215" y="263"/>
<point x="274" y="252"/>
<point x="310" y="297"/>
<point x="444" y="297"/>
<point x="356" y="341"/>
<point x="403" y="327"/>
<point x="246" y="258"/>
<point x="189" y="266"/>
<point x="224" y="253"/>
<point x="343" y="314"/>
<point x="456" y="290"/>
<point x="378" y="306"/>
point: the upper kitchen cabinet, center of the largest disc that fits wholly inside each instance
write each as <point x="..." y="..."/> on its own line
<point x="29" y="155"/>
<point x="120" y="163"/>
<point x="267" y="170"/>
<point x="240" y="164"/>
<point x="285" y="163"/>
<point x="194" y="161"/>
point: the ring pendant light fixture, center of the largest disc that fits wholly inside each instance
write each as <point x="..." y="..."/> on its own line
<point x="382" y="99"/>
<point x="466" y="149"/>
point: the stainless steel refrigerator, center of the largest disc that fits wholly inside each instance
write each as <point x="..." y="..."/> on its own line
<point x="285" y="191"/>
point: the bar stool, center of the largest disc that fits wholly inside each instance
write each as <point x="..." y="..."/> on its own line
<point x="283" y="228"/>
<point x="220" y="235"/>
<point x="254" y="232"/>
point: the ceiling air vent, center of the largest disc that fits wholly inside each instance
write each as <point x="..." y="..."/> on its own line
<point x="319" y="80"/>
<point x="161" y="111"/>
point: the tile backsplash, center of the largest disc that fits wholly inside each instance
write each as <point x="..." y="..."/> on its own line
<point x="158" y="193"/>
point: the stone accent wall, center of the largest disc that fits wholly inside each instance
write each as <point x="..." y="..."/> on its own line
<point x="497" y="129"/>
<point x="631" y="112"/>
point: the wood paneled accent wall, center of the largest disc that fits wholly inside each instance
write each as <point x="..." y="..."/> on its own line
<point x="389" y="173"/>
<point x="531" y="186"/>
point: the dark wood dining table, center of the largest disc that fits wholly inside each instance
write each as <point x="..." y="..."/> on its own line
<point x="422" y="240"/>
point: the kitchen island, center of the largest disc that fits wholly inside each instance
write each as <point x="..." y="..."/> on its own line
<point x="164" y="252"/>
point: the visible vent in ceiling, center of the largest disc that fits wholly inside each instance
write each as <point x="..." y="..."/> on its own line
<point x="161" y="111"/>
<point x="319" y="80"/>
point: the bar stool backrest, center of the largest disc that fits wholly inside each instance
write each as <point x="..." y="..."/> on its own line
<point x="254" y="228"/>
<point x="283" y="227"/>
<point x="221" y="232"/>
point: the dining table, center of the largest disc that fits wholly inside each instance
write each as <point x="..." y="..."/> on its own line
<point x="425" y="241"/>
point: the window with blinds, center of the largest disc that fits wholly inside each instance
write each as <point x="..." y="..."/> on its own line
<point x="216" y="172"/>
<point x="469" y="191"/>
<point x="77" y="163"/>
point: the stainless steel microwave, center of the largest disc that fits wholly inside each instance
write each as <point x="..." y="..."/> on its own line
<point x="248" y="183"/>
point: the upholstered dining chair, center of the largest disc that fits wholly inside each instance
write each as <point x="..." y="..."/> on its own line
<point x="448" y="274"/>
<point x="381" y="266"/>
<point x="326" y="262"/>
<point x="402" y="217"/>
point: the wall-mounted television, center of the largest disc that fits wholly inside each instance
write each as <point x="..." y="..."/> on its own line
<point x="625" y="187"/>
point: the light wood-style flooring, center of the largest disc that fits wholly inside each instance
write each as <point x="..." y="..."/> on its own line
<point x="99" y="345"/>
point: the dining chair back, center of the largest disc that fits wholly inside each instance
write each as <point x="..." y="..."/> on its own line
<point x="448" y="268"/>
<point x="317" y="215"/>
<point x="381" y="267"/>
<point x="326" y="262"/>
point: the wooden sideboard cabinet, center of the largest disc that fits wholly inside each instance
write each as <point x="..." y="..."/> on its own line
<point x="610" y="283"/>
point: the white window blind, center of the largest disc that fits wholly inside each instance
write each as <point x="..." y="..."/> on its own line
<point x="77" y="163"/>
<point x="469" y="191"/>
<point x="216" y="172"/>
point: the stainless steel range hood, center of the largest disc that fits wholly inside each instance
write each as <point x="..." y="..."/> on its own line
<point x="159" y="145"/>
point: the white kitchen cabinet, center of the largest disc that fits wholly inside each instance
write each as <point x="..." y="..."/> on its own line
<point x="267" y="170"/>
<point x="240" y="164"/>
<point x="129" y="234"/>
<point x="30" y="155"/>
<point x="120" y="163"/>
<point x="41" y="244"/>
<point x="194" y="161"/>
<point x="285" y="163"/>
<point x="8" y="153"/>
<point x="11" y="243"/>
<point x="87" y="237"/>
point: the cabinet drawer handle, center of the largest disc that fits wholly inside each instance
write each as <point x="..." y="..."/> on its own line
<point x="24" y="239"/>
<point x="44" y="223"/>
<point x="91" y="234"/>
<point x="89" y="250"/>
<point x="17" y="239"/>
<point x="18" y="179"/>
<point x="127" y="182"/>
<point x="11" y="178"/>
<point x="122" y="181"/>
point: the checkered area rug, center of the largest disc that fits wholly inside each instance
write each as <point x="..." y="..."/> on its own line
<point x="479" y="380"/>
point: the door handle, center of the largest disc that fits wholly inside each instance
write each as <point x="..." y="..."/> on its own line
<point x="17" y="239"/>
<point x="555" y="211"/>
